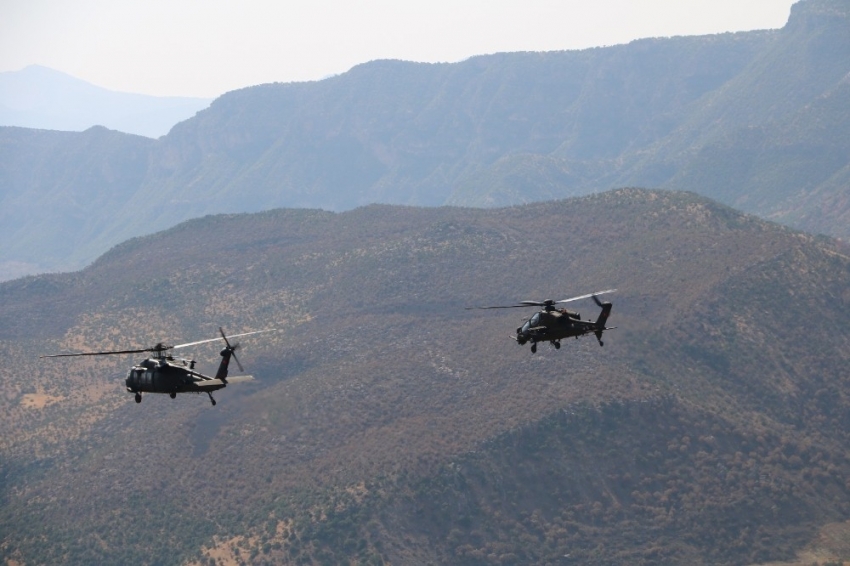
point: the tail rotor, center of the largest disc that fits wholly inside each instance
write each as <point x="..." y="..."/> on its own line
<point x="232" y="349"/>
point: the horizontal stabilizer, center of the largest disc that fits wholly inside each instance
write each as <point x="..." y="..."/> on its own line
<point x="218" y="384"/>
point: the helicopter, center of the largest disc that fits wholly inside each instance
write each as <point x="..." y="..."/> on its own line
<point x="163" y="373"/>
<point x="552" y="324"/>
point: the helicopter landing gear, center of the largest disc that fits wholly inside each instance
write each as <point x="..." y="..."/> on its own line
<point x="211" y="398"/>
<point x="173" y="394"/>
<point x="557" y="344"/>
<point x="533" y="347"/>
<point x="138" y="397"/>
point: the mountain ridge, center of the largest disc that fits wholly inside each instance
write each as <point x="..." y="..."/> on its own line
<point x="753" y="119"/>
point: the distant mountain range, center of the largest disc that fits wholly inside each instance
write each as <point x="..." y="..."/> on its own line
<point x="389" y="425"/>
<point x="45" y="99"/>
<point x="757" y="120"/>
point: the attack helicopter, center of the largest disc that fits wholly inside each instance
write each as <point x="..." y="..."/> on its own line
<point x="553" y="324"/>
<point x="163" y="373"/>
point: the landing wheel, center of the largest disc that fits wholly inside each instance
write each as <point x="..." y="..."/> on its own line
<point x="138" y="397"/>
<point x="534" y="348"/>
<point x="557" y="345"/>
<point x="172" y="394"/>
<point x="211" y="398"/>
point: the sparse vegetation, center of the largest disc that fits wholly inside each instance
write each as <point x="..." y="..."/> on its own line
<point x="388" y="425"/>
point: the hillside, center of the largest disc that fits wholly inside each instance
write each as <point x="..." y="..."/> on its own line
<point x="773" y="143"/>
<point x="756" y="120"/>
<point x="58" y="189"/>
<point x="390" y="425"/>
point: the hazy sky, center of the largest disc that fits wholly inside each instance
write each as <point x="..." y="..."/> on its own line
<point x="205" y="48"/>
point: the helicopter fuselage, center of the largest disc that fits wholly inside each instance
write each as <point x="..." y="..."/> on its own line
<point x="164" y="374"/>
<point x="553" y="325"/>
<point x="168" y="376"/>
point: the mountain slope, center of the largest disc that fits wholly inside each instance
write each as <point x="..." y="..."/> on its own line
<point x="390" y="425"/>
<point x="777" y="131"/>
<point x="81" y="180"/>
<point x="757" y="120"/>
<point x="402" y="133"/>
<point x="386" y="131"/>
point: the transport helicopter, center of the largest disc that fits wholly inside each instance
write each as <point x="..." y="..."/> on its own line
<point x="163" y="373"/>
<point x="553" y="324"/>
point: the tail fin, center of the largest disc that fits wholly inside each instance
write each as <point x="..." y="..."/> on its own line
<point x="222" y="367"/>
<point x="603" y="318"/>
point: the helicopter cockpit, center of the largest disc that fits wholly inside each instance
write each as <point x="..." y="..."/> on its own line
<point x="136" y="378"/>
<point x="532" y="322"/>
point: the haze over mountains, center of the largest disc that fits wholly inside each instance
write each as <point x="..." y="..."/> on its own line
<point x="757" y="120"/>
<point x="42" y="98"/>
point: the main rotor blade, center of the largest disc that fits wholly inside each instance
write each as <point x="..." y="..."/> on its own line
<point x="545" y="303"/>
<point x="523" y="304"/>
<point x="254" y="332"/>
<point x="157" y="348"/>
<point x="586" y="296"/>
<point x="196" y="343"/>
<point x="219" y="338"/>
